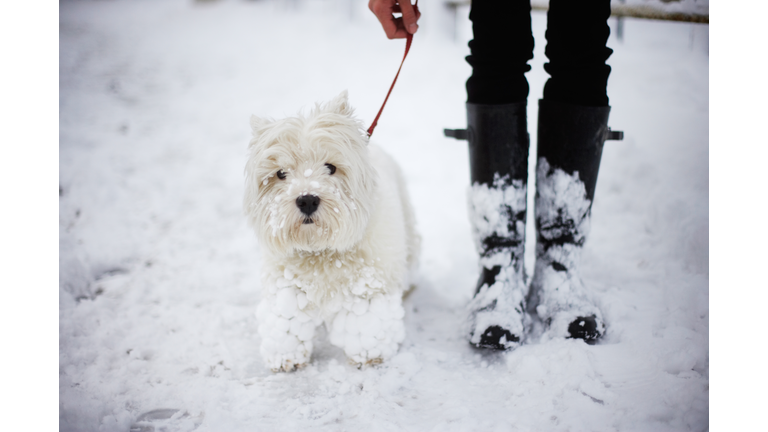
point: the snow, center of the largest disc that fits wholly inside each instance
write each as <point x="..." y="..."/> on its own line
<point x="490" y="207"/>
<point x="501" y="304"/>
<point x="561" y="197"/>
<point x="159" y="273"/>
<point x="562" y="210"/>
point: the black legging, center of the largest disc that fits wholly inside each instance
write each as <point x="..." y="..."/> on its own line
<point x="577" y="32"/>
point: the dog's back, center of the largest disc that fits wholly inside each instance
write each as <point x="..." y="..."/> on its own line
<point x="398" y="200"/>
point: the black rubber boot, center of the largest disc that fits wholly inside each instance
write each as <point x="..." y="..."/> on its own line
<point x="570" y="146"/>
<point x="498" y="157"/>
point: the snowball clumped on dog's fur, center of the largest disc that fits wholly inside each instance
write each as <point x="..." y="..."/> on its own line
<point x="345" y="260"/>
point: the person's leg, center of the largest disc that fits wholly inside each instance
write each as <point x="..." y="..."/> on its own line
<point x="501" y="47"/>
<point x="572" y="127"/>
<point x="577" y="32"/>
<point x="497" y="95"/>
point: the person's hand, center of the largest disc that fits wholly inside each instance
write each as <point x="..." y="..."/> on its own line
<point x="396" y="28"/>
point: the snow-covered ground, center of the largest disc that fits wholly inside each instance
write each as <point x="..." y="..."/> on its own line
<point x="160" y="278"/>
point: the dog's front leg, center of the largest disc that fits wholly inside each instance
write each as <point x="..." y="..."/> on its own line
<point x="369" y="331"/>
<point x="286" y="329"/>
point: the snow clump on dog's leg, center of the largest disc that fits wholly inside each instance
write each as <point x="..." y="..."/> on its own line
<point x="286" y="328"/>
<point x="369" y="331"/>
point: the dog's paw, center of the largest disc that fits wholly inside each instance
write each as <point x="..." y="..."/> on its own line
<point x="288" y="366"/>
<point x="367" y="363"/>
<point x="296" y="354"/>
<point x="286" y="331"/>
<point x="369" y="331"/>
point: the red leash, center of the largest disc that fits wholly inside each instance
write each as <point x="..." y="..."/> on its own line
<point x="408" y="40"/>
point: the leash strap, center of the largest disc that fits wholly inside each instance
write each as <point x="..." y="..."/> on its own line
<point x="408" y="40"/>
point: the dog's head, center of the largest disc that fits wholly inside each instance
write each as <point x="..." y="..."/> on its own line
<point x="309" y="184"/>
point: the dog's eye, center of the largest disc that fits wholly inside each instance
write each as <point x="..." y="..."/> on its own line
<point x="281" y="175"/>
<point x="332" y="168"/>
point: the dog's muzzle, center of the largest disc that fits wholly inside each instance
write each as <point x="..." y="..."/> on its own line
<point x="308" y="204"/>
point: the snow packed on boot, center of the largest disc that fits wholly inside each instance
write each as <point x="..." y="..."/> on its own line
<point x="558" y="295"/>
<point x="498" y="212"/>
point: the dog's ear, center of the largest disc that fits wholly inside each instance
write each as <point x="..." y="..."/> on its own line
<point x="340" y="104"/>
<point x="258" y="125"/>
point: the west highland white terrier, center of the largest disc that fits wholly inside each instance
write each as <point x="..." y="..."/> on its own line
<point x="338" y="235"/>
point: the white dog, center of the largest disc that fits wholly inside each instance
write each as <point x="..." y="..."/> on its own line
<point x="338" y="235"/>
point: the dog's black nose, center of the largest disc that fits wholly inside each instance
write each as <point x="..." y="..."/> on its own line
<point x="308" y="204"/>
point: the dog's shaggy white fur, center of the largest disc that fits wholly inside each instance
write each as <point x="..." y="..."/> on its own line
<point x="338" y="235"/>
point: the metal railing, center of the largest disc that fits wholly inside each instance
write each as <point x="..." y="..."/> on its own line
<point x="623" y="10"/>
